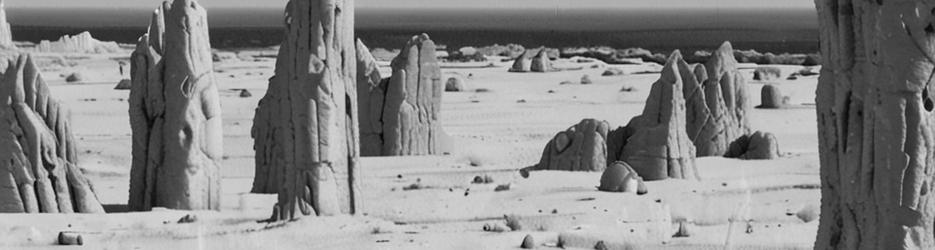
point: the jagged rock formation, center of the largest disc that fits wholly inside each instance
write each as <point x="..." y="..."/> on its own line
<point x="306" y="127"/>
<point x="656" y="143"/>
<point x="175" y="114"/>
<point x="582" y="147"/>
<point x="371" y="91"/>
<point x="521" y="64"/>
<point x="771" y="97"/>
<point x="875" y="106"/>
<point x="725" y="94"/>
<point x="541" y="62"/>
<point x="410" y="106"/>
<point x="38" y="171"/>
<point x="756" y="146"/>
<point x="620" y="177"/>
<point x="80" y="43"/>
<point x="6" y="35"/>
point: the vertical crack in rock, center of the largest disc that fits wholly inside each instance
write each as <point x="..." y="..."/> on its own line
<point x="175" y="114"/>
<point x="875" y="127"/>
<point x="299" y="135"/>
<point x="38" y="171"/>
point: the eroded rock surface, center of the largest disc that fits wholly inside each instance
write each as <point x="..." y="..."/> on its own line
<point x="541" y="62"/>
<point x="306" y="126"/>
<point x="371" y="92"/>
<point x="756" y="146"/>
<point x="620" y="177"/>
<point x="655" y="143"/>
<point x="582" y="147"/>
<point x="771" y="97"/>
<point x="175" y="114"/>
<point x="80" y="43"/>
<point x="38" y="157"/>
<point x="728" y="102"/>
<point x="6" y="35"/>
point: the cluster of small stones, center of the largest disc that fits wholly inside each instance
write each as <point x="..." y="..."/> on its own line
<point x="175" y="114"/>
<point x="38" y="171"/>
<point x="306" y="126"/>
<point x="400" y="116"/>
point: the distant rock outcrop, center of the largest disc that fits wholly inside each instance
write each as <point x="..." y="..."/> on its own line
<point x="81" y="43"/>
<point x="38" y="171"/>
<point x="521" y="64"/>
<point x="582" y="147"/>
<point x="410" y="106"/>
<point x="6" y="35"/>
<point x="175" y="114"/>
<point x="655" y="143"/>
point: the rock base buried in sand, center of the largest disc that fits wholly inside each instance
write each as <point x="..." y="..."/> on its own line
<point x="70" y="239"/>
<point x="455" y="84"/>
<point x="528" y="242"/>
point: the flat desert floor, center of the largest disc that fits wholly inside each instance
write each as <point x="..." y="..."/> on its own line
<point x="496" y="131"/>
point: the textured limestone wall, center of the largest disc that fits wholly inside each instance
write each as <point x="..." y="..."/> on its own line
<point x="875" y="124"/>
<point x="306" y="127"/>
<point x="175" y="114"/>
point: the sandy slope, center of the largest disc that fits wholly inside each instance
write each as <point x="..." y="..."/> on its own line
<point x="500" y="131"/>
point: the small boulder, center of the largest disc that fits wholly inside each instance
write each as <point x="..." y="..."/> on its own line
<point x="586" y="80"/>
<point x="613" y="72"/>
<point x="808" y="213"/>
<point x="455" y="84"/>
<point x="756" y="146"/>
<point x="771" y="97"/>
<point x="124" y="84"/>
<point x="245" y="93"/>
<point x="685" y="229"/>
<point x="70" y="239"/>
<point x="528" y="242"/>
<point x="620" y="177"/>
<point x="74" y="77"/>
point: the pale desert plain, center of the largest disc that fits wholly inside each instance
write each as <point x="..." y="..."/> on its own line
<point x="497" y="127"/>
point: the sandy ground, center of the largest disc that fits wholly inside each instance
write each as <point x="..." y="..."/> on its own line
<point x="738" y="204"/>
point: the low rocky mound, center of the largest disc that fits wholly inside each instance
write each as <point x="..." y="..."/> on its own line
<point x="757" y="146"/>
<point x="620" y="177"/>
<point x="582" y="147"/>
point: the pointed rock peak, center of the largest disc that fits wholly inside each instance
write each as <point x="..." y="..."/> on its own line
<point x="676" y="56"/>
<point x="723" y="55"/>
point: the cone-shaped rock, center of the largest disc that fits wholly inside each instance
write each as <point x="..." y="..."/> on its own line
<point x="175" y="114"/>
<point x="582" y="147"/>
<point x="371" y="91"/>
<point x="522" y="63"/>
<point x="727" y="100"/>
<point x="541" y="63"/>
<point x="38" y="171"/>
<point x="306" y="126"/>
<point x="655" y="143"/>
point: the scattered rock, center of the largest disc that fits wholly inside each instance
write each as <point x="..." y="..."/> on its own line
<point x="808" y="213"/>
<point x="613" y="72"/>
<point x="685" y="229"/>
<point x="495" y="227"/>
<point x="601" y="246"/>
<point x="455" y="84"/>
<point x="757" y="146"/>
<point x="503" y="187"/>
<point x="124" y="84"/>
<point x="70" y="239"/>
<point x="771" y="97"/>
<point x="188" y="218"/>
<point x="74" y="77"/>
<point x="528" y="242"/>
<point x="244" y="93"/>
<point x="586" y="80"/>
<point x="766" y="73"/>
<point x="566" y="83"/>
<point x="628" y="89"/>
<point x="620" y="177"/>
<point x="792" y="77"/>
<point x="482" y="180"/>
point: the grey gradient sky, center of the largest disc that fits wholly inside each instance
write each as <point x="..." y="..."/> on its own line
<point x="559" y="4"/>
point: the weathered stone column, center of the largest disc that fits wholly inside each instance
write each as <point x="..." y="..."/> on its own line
<point x="175" y="114"/>
<point x="306" y="127"/>
<point x="875" y="124"/>
<point x="6" y="35"/>
<point x="38" y="171"/>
